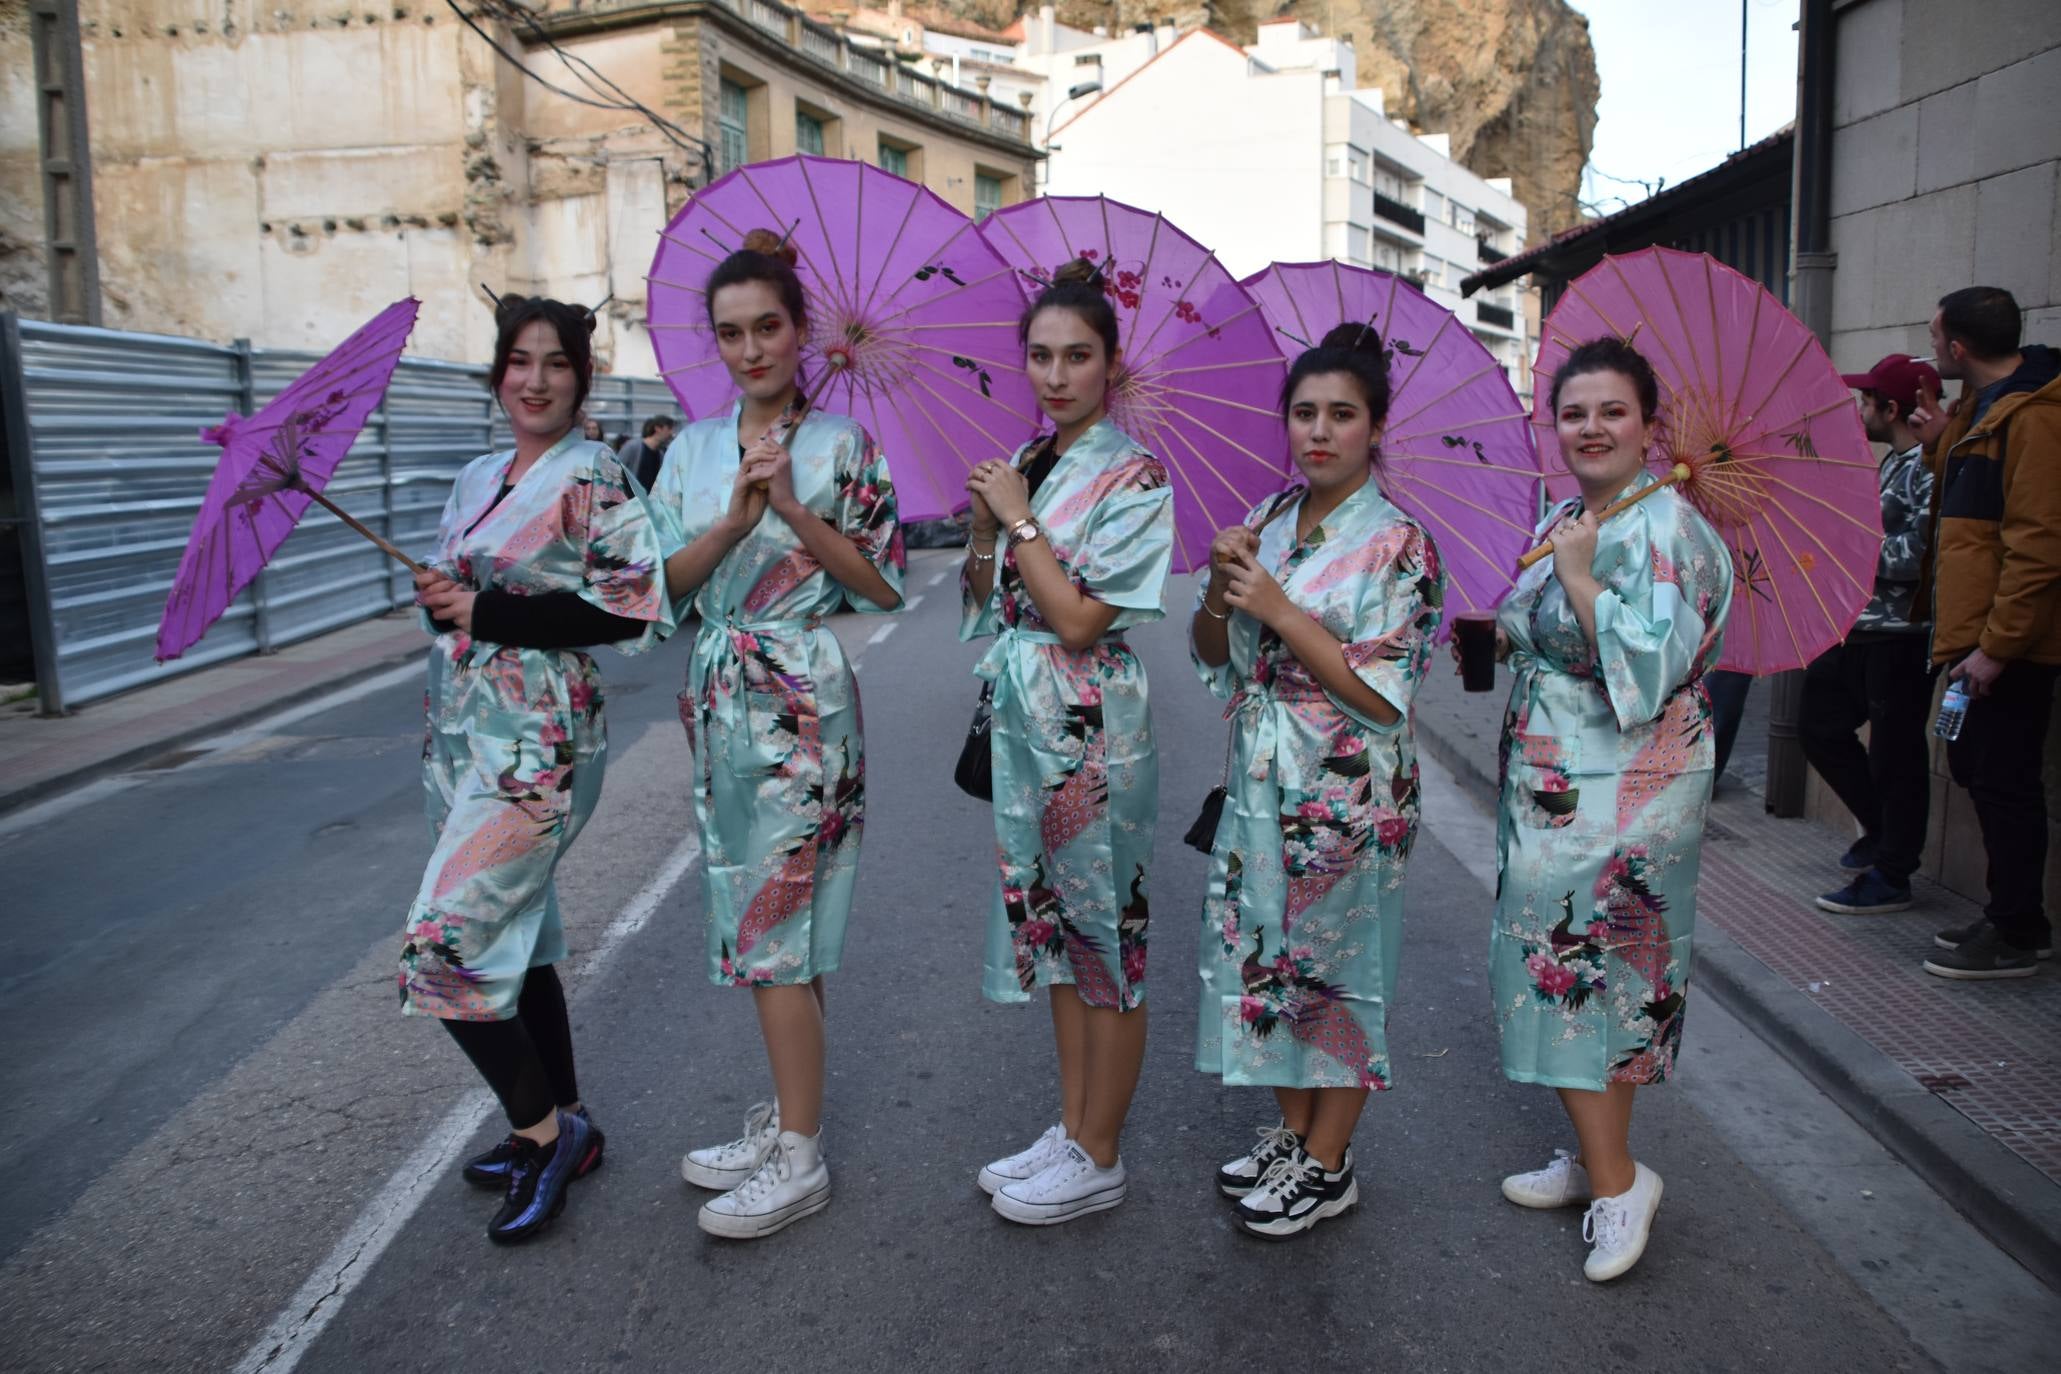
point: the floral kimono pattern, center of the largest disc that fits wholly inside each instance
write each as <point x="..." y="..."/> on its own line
<point x="1076" y="777"/>
<point x="1606" y="764"/>
<point x="771" y="706"/>
<point x="1302" y="921"/>
<point x="516" y="743"/>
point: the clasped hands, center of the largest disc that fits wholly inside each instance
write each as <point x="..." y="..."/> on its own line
<point x="1238" y="582"/>
<point x="765" y="481"/>
<point x="444" y="599"/>
<point x="1000" y="498"/>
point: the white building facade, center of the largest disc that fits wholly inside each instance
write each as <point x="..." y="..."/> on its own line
<point x="1267" y="153"/>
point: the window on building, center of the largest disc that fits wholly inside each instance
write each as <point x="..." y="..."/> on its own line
<point x="1359" y="245"/>
<point x="1460" y="217"/>
<point x="808" y="133"/>
<point x="1388" y="184"/>
<point x="734" y="149"/>
<point x="1387" y="256"/>
<point x="1358" y="166"/>
<point x="1430" y="271"/>
<point x="987" y="195"/>
<point x="1434" y="206"/>
<point x="894" y="159"/>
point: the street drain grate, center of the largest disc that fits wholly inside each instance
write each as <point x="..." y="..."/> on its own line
<point x="1942" y="1082"/>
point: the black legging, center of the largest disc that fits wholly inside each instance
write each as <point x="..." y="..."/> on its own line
<point x="528" y="1059"/>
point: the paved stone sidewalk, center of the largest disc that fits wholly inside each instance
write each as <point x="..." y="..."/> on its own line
<point x="1989" y="1051"/>
<point x="49" y="754"/>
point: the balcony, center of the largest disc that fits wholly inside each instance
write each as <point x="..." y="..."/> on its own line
<point x="1395" y="212"/>
<point x="1487" y="252"/>
<point x="1495" y="315"/>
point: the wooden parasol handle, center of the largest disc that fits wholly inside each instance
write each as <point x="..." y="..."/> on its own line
<point x="340" y="513"/>
<point x="1679" y="473"/>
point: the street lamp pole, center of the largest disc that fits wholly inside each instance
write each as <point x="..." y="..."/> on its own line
<point x="1073" y="93"/>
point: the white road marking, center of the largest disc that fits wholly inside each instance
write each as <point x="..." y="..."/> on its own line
<point x="882" y="633"/>
<point x="1453" y="814"/>
<point x="303" y="1319"/>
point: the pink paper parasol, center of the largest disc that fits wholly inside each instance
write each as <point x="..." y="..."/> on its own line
<point x="273" y="464"/>
<point x="912" y="317"/>
<point x="1201" y="370"/>
<point x="1456" y="453"/>
<point x="1767" y="433"/>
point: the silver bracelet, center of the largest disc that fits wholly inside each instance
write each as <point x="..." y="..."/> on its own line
<point x="976" y="555"/>
<point x="1204" y="603"/>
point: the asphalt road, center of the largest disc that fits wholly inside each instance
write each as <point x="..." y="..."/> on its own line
<point x="216" y="1156"/>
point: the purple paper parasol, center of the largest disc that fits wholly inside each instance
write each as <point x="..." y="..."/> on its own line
<point x="273" y="464"/>
<point x="1201" y="370"/>
<point x="912" y="317"/>
<point x="1456" y="452"/>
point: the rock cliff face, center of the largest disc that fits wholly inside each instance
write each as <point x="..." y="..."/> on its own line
<point x="1512" y="81"/>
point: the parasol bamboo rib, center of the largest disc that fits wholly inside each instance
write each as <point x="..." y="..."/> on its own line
<point x="1679" y="474"/>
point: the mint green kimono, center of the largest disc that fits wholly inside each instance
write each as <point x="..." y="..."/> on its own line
<point x="1303" y="917"/>
<point x="1076" y="776"/>
<point x="516" y="745"/>
<point x="771" y="706"/>
<point x="1606" y="772"/>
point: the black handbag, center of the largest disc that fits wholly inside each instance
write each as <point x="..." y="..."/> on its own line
<point x="975" y="771"/>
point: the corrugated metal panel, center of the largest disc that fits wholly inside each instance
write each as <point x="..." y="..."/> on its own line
<point x="118" y="472"/>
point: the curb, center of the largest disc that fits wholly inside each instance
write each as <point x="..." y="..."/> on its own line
<point x="2016" y="1206"/>
<point x="57" y="783"/>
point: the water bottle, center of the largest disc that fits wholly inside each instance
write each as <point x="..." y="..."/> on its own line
<point x="1953" y="710"/>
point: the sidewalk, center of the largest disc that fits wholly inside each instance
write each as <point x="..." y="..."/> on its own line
<point x="1961" y="1080"/>
<point x="51" y="754"/>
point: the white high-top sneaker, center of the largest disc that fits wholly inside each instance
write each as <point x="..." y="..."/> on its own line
<point x="1562" y="1182"/>
<point x="792" y="1182"/>
<point x="1073" y="1185"/>
<point x="1025" y="1163"/>
<point x="723" y="1167"/>
<point x="1616" y="1227"/>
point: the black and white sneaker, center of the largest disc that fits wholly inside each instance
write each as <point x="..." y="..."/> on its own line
<point x="1961" y="935"/>
<point x="1296" y="1194"/>
<point x="1243" y="1174"/>
<point x="1983" y="956"/>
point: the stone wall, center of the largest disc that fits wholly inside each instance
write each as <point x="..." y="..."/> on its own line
<point x="1946" y="172"/>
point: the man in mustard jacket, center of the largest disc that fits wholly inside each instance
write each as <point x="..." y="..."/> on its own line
<point x="1995" y="584"/>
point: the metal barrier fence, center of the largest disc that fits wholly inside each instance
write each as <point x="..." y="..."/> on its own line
<point x="102" y="440"/>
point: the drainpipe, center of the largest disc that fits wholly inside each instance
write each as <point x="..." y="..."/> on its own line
<point x="1812" y="262"/>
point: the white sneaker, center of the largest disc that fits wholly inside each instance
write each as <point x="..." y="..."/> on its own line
<point x="723" y="1167"/>
<point x="1616" y="1227"/>
<point x="1025" y="1163"/>
<point x="1072" y="1185"/>
<point x="1559" y="1183"/>
<point x="792" y="1182"/>
<point x="1297" y="1193"/>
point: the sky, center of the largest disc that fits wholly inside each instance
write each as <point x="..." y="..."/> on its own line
<point x="1670" y="73"/>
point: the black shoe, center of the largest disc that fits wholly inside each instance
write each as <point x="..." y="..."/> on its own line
<point x="1243" y="1174"/>
<point x="1860" y="857"/>
<point x="1984" y="955"/>
<point x="490" y="1170"/>
<point x="1296" y="1194"/>
<point x="1960" y="935"/>
<point x="539" y="1176"/>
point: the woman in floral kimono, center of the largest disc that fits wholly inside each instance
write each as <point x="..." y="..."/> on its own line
<point x="543" y="549"/>
<point x="783" y="523"/>
<point x="1606" y="762"/>
<point x="1316" y="622"/>
<point x="1088" y="518"/>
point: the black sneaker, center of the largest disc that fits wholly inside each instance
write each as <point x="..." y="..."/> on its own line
<point x="1296" y="1194"/>
<point x="539" y="1176"/>
<point x="1959" y="935"/>
<point x="1869" y="894"/>
<point x="1860" y="857"/>
<point x="1984" y="955"/>
<point x="490" y="1170"/>
<point x="1243" y="1174"/>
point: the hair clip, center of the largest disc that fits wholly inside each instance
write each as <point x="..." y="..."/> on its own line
<point x="788" y="234"/>
<point x="1293" y="337"/>
<point x="726" y="249"/>
<point x="1361" y="337"/>
<point x="491" y="296"/>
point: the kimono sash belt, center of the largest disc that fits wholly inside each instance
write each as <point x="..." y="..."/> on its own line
<point x="993" y="667"/>
<point x="1258" y="711"/>
<point x="716" y="652"/>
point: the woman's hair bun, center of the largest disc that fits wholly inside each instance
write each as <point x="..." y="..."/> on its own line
<point x="509" y="303"/>
<point x="1079" y="270"/>
<point x="772" y="245"/>
<point x="1353" y="336"/>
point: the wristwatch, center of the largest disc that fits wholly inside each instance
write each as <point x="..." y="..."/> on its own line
<point x="1023" y="531"/>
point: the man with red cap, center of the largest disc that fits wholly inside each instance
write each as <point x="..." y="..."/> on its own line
<point x="1881" y="676"/>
